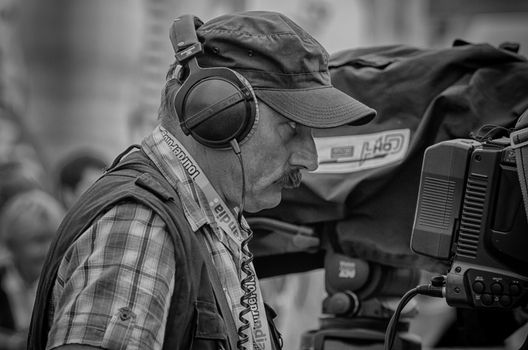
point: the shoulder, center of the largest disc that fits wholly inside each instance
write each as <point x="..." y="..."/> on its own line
<point x="127" y="235"/>
<point x="124" y="225"/>
<point x="124" y="260"/>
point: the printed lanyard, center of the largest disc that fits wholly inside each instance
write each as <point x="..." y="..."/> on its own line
<point x="260" y="339"/>
<point x="222" y="214"/>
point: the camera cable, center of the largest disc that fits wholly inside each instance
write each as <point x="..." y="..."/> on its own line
<point x="435" y="289"/>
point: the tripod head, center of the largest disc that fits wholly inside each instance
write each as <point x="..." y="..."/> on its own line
<point x="362" y="296"/>
<point x="353" y="285"/>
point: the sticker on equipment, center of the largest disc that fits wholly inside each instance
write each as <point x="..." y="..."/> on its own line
<point x="347" y="154"/>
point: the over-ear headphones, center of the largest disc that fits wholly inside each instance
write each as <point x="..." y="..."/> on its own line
<point x="214" y="105"/>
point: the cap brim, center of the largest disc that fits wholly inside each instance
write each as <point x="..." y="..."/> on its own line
<point x="322" y="107"/>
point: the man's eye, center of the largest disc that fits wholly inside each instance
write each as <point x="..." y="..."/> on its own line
<point x="292" y="125"/>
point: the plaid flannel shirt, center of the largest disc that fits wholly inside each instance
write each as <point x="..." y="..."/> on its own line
<point x="122" y="268"/>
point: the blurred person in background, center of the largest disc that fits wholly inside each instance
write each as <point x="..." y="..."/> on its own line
<point x="17" y="150"/>
<point x="76" y="173"/>
<point x="14" y="179"/>
<point x="28" y="223"/>
<point x="21" y="168"/>
<point x="140" y="124"/>
<point x="154" y="255"/>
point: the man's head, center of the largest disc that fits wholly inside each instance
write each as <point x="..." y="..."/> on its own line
<point x="287" y="71"/>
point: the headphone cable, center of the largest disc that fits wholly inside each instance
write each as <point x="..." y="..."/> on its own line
<point x="236" y="148"/>
<point x="246" y="260"/>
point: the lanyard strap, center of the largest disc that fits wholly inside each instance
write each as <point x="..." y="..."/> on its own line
<point x="256" y="315"/>
<point x="221" y="212"/>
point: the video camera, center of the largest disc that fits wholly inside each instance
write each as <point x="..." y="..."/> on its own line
<point x="470" y="215"/>
<point x="470" y="212"/>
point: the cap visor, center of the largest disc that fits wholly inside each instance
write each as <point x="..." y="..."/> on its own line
<point x="322" y="107"/>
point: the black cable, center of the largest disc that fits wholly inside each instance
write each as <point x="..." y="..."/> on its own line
<point x="392" y="326"/>
<point x="246" y="259"/>
<point x="425" y="289"/>
<point x="248" y="292"/>
<point x="238" y="153"/>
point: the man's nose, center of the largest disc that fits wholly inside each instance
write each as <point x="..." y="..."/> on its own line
<point x="305" y="153"/>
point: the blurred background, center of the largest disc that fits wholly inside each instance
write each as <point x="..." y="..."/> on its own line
<point x="88" y="74"/>
<point x="81" y="76"/>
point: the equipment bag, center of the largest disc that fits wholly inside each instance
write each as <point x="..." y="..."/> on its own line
<point x="366" y="185"/>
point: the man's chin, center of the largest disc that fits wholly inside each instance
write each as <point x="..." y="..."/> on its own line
<point x="260" y="204"/>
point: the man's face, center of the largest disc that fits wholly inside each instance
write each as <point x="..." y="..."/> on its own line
<point x="273" y="158"/>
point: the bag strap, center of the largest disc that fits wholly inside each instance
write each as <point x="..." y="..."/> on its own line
<point x="519" y="142"/>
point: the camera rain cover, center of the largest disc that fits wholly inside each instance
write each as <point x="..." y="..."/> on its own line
<point x="367" y="182"/>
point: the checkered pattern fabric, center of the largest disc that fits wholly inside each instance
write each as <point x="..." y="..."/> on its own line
<point x="114" y="285"/>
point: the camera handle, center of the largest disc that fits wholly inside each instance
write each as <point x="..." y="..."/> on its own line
<point x="519" y="142"/>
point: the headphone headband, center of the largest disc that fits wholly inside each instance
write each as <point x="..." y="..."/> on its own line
<point x="184" y="39"/>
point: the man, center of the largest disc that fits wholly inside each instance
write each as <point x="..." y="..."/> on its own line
<point x="154" y="255"/>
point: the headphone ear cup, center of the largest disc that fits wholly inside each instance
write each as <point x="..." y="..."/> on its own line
<point x="217" y="125"/>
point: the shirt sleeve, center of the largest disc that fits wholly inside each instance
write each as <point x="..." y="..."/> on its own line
<point x="114" y="284"/>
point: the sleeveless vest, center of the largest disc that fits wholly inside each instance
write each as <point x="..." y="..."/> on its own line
<point x="199" y="314"/>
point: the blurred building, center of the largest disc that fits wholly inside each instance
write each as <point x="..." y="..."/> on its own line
<point x="95" y="68"/>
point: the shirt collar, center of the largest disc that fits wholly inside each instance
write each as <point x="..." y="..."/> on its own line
<point x="194" y="203"/>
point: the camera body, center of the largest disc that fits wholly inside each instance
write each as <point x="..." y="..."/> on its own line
<point x="470" y="212"/>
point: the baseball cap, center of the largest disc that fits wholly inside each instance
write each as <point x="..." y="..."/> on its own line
<point x="286" y="66"/>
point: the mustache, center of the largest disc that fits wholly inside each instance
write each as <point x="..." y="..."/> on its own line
<point x="291" y="179"/>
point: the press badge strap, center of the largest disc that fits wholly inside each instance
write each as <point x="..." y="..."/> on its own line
<point x="222" y="214"/>
<point x="260" y="335"/>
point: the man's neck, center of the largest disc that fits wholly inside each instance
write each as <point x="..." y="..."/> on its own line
<point x="217" y="165"/>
